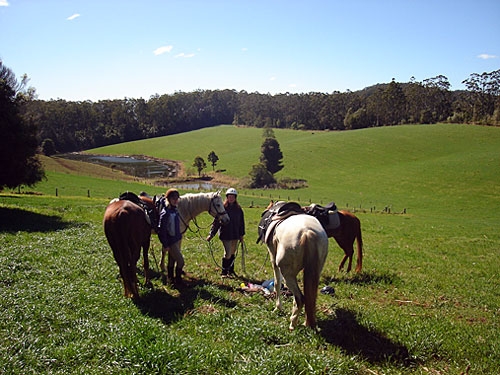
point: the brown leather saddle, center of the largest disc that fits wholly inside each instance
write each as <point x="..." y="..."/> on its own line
<point x="271" y="217"/>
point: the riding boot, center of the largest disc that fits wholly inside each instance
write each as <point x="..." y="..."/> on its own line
<point x="225" y="267"/>
<point x="170" y="274"/>
<point x="231" y="265"/>
<point x="178" y="277"/>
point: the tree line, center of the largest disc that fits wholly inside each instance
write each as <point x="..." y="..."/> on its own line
<point x="28" y="124"/>
<point x="73" y="126"/>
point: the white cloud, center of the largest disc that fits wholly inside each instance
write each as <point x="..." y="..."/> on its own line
<point x="71" y="18"/>
<point x="185" y="55"/>
<point x="292" y="85"/>
<point x="4" y="3"/>
<point x="272" y="79"/>
<point x="244" y="49"/>
<point x="486" y="56"/>
<point x="162" y="50"/>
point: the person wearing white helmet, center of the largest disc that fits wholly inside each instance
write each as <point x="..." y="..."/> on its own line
<point x="231" y="233"/>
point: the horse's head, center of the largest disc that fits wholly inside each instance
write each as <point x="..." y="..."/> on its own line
<point x="217" y="209"/>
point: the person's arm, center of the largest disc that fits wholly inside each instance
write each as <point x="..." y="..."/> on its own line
<point x="213" y="230"/>
<point x="162" y="228"/>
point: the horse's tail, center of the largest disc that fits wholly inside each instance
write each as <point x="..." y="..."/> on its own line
<point x="117" y="232"/>
<point x="359" y="244"/>
<point x="312" y="270"/>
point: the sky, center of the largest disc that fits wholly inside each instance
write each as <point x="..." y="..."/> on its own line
<point x="95" y="50"/>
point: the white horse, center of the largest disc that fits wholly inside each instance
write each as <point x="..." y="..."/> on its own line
<point x="191" y="205"/>
<point x="298" y="242"/>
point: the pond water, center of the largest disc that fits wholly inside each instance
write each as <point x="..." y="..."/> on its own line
<point x="137" y="166"/>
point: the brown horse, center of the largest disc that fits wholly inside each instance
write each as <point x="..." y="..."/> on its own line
<point x="345" y="234"/>
<point x="127" y="229"/>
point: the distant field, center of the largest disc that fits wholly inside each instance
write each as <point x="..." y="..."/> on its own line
<point x="428" y="301"/>
<point x="418" y="167"/>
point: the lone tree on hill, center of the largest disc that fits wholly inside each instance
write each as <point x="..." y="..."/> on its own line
<point x="262" y="174"/>
<point x="271" y="155"/>
<point x="19" y="164"/>
<point x="200" y="164"/>
<point x="213" y="159"/>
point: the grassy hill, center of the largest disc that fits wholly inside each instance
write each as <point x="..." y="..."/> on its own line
<point x="418" y="167"/>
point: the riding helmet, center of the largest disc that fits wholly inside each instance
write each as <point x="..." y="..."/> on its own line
<point x="231" y="191"/>
<point x="171" y="193"/>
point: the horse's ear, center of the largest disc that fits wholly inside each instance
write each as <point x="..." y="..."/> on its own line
<point x="217" y="192"/>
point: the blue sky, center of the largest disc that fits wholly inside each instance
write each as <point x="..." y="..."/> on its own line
<point x="93" y="50"/>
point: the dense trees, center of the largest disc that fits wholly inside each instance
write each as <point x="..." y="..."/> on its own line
<point x="19" y="164"/>
<point x="73" y="126"/>
<point x="482" y="104"/>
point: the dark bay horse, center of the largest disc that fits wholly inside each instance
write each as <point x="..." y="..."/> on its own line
<point x="345" y="234"/>
<point x="298" y="242"/>
<point x="128" y="229"/>
<point x="345" y="229"/>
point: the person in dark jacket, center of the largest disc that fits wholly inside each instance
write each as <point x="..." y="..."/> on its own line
<point x="170" y="236"/>
<point x="230" y="234"/>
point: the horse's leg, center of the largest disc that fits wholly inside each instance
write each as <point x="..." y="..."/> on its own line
<point x="124" y="274"/>
<point x="145" y="259"/>
<point x="277" y="277"/>
<point x="132" y="269"/>
<point x="120" y="248"/>
<point x="349" y="265"/>
<point x="277" y="287"/>
<point x="298" y="299"/>
<point x="348" y="252"/>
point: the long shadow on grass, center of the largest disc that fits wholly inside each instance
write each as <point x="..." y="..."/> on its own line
<point x="159" y="304"/>
<point x="345" y="332"/>
<point x="15" y="220"/>
<point x="364" y="278"/>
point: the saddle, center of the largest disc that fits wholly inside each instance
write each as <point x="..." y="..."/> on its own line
<point x="273" y="216"/>
<point x="132" y="197"/>
<point x="149" y="212"/>
<point x="324" y="214"/>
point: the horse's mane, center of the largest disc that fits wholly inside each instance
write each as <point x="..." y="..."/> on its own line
<point x="197" y="195"/>
<point x="190" y="201"/>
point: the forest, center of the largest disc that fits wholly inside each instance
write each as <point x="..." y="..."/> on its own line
<point x="68" y="126"/>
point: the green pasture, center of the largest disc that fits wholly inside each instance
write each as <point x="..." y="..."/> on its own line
<point x="418" y="167"/>
<point x="428" y="301"/>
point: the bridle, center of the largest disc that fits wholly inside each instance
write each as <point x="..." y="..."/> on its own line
<point x="217" y="214"/>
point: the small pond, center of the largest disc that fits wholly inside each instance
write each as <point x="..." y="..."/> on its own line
<point x="137" y="166"/>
